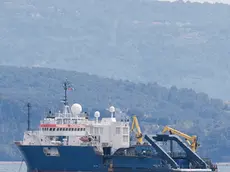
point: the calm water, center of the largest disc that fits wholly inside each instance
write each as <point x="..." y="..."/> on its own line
<point x="15" y="167"/>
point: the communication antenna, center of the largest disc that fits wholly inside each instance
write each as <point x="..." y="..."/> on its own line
<point x="28" y="116"/>
<point x="66" y="86"/>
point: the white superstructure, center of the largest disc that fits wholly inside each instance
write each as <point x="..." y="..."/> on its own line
<point x="72" y="127"/>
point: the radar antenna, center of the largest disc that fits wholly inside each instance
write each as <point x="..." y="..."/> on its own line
<point x="28" y="116"/>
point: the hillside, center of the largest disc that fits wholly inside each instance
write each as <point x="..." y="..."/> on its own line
<point x="182" y="44"/>
<point x="156" y="106"/>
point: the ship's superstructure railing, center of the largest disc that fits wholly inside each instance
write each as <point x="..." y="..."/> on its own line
<point x="77" y="120"/>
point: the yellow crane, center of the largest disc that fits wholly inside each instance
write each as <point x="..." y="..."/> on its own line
<point x="191" y="140"/>
<point x="135" y="125"/>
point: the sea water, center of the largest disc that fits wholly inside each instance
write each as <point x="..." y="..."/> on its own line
<point x="21" y="167"/>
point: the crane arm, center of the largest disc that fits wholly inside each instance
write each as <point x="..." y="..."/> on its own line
<point x="135" y="124"/>
<point x="173" y="131"/>
<point x="191" y="140"/>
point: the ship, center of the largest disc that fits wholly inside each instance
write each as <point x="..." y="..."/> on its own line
<point x="73" y="141"/>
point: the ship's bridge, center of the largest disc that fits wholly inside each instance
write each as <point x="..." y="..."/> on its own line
<point x="77" y="130"/>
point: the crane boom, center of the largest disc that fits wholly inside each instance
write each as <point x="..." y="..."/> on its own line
<point x="135" y="125"/>
<point x="191" y="140"/>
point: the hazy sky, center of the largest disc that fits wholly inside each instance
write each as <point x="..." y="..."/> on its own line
<point x="210" y="1"/>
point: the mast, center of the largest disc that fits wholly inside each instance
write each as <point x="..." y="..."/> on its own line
<point x="66" y="86"/>
<point x="28" y="116"/>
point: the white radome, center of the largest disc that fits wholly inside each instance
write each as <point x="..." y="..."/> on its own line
<point x="76" y="109"/>
<point x="112" y="109"/>
<point x="97" y="114"/>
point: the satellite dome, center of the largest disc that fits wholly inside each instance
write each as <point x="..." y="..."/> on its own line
<point x="112" y="109"/>
<point x="76" y="109"/>
<point x="97" y="114"/>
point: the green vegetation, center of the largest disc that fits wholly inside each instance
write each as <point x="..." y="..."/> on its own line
<point x="184" y="109"/>
<point x="182" y="44"/>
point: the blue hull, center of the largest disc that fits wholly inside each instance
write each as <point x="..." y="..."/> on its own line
<point x="85" y="159"/>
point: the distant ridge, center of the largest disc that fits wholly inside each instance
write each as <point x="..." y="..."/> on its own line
<point x="184" y="109"/>
<point x="181" y="44"/>
<point x="201" y="1"/>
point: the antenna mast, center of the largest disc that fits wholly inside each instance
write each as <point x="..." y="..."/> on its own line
<point x="65" y="86"/>
<point x="28" y="116"/>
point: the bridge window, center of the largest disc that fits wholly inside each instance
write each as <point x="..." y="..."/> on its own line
<point x="96" y="130"/>
<point x="125" y="138"/>
<point x="101" y="130"/>
<point x="125" y="130"/>
<point x="118" y="130"/>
